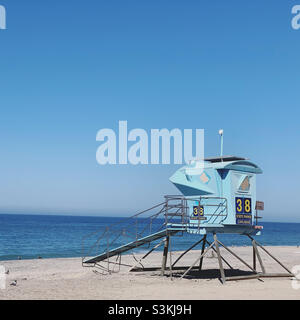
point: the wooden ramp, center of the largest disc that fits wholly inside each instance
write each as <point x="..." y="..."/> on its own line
<point x="132" y="245"/>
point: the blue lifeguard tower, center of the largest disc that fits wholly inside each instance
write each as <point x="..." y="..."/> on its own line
<point x="218" y="196"/>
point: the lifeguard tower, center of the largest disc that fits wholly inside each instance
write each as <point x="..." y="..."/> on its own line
<point x="218" y="197"/>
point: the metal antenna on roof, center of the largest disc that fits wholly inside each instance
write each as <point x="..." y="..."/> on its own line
<point x="221" y="132"/>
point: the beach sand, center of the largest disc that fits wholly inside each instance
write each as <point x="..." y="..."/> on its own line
<point x="66" y="279"/>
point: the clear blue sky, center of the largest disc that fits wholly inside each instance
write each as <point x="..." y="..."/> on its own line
<point x="70" y="68"/>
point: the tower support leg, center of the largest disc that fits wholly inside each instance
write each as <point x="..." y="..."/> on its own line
<point x="170" y="258"/>
<point x="258" y="256"/>
<point x="202" y="250"/>
<point x="254" y="259"/>
<point x="165" y="256"/>
<point x="219" y="259"/>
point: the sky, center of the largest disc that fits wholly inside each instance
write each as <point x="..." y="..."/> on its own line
<point x="71" y="68"/>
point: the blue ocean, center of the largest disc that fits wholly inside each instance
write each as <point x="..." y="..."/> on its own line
<point x="49" y="236"/>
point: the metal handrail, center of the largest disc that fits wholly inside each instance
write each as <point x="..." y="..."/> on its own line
<point x="129" y="227"/>
<point x="129" y="221"/>
<point x="222" y="204"/>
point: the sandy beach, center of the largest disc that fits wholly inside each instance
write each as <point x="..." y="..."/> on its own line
<point x="66" y="279"/>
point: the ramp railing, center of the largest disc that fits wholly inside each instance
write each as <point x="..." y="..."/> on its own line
<point x="131" y="229"/>
<point x="172" y="215"/>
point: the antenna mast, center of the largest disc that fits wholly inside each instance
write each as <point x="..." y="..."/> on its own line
<point x="221" y="132"/>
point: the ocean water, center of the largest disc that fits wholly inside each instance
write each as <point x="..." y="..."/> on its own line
<point x="33" y="236"/>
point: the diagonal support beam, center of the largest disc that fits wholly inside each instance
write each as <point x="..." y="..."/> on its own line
<point x="147" y="254"/>
<point x="235" y="255"/>
<point x="197" y="260"/>
<point x="186" y="251"/>
<point x="269" y="254"/>
<point x="221" y="257"/>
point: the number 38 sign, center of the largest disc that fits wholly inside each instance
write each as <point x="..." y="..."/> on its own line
<point x="243" y="205"/>
<point x="243" y="208"/>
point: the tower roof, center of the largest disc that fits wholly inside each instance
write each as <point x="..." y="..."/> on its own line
<point x="224" y="159"/>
